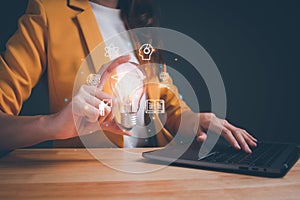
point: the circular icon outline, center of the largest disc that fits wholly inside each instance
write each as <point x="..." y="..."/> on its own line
<point x="209" y="73"/>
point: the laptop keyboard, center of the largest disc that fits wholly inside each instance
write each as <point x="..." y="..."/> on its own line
<point x="263" y="155"/>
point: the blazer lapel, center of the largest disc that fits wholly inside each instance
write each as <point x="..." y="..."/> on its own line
<point x="92" y="37"/>
<point x="79" y="4"/>
<point x="91" y="34"/>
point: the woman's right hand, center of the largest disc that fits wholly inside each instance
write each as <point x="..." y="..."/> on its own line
<point x="82" y="115"/>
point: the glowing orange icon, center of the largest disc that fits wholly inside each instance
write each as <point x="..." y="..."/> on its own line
<point x="146" y="51"/>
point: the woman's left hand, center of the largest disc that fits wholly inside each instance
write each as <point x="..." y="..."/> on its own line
<point x="237" y="137"/>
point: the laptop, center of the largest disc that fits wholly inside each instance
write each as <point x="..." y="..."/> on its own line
<point x="267" y="159"/>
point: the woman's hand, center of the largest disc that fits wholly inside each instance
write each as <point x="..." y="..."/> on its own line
<point x="238" y="138"/>
<point x="83" y="116"/>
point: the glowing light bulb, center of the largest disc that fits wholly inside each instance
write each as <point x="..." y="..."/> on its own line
<point x="127" y="82"/>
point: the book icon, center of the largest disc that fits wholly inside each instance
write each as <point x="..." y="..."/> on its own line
<point x="155" y="106"/>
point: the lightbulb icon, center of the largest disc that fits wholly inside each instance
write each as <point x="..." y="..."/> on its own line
<point x="128" y="86"/>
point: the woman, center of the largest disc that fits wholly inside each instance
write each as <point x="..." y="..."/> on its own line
<point x="55" y="37"/>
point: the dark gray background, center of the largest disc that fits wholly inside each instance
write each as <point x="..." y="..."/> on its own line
<point x="255" y="45"/>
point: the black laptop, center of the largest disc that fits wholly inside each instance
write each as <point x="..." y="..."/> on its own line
<point x="267" y="159"/>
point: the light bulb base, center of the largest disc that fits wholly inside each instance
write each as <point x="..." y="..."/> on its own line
<point x="128" y="120"/>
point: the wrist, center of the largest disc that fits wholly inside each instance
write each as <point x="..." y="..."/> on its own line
<point x="60" y="125"/>
<point x="47" y="123"/>
<point x="191" y="121"/>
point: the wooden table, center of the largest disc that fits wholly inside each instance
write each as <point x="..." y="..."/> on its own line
<point x="75" y="174"/>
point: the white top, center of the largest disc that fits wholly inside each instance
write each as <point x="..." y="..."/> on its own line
<point x="111" y="25"/>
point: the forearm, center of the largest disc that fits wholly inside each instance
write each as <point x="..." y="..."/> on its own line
<point x="22" y="131"/>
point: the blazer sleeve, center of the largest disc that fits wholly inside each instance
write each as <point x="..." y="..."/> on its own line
<point x="175" y="108"/>
<point x="24" y="60"/>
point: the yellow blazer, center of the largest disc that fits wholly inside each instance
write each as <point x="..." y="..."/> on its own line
<point x="55" y="36"/>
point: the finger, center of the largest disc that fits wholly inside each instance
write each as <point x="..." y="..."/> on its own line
<point x="103" y="80"/>
<point x="250" y="136"/>
<point x="241" y="136"/>
<point x="102" y="96"/>
<point x="241" y="140"/>
<point x="92" y="100"/>
<point x="80" y="106"/>
<point x="107" y="115"/>
<point x="90" y="112"/>
<point x="201" y="136"/>
<point x="226" y="133"/>
<point x="246" y="137"/>
<point x="249" y="140"/>
<point x="95" y="102"/>
<point x="97" y="92"/>
<point x="230" y="126"/>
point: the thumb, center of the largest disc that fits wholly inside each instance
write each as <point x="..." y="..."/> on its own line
<point x="201" y="136"/>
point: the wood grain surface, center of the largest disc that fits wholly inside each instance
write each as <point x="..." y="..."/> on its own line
<point x="76" y="174"/>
